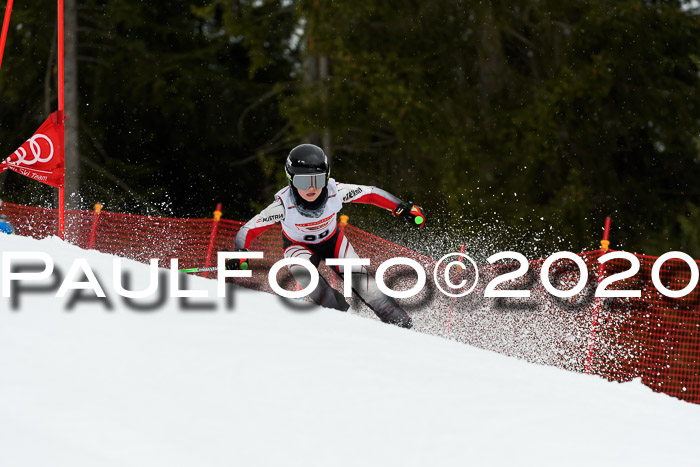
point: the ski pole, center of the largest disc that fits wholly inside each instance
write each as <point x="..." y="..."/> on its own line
<point x="210" y="269"/>
<point x="243" y="266"/>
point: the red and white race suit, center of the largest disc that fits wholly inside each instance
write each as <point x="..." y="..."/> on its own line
<point x="319" y="238"/>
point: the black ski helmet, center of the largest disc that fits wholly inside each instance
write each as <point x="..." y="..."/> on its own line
<point x="306" y="159"/>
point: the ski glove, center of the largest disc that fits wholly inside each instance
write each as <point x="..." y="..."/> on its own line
<point x="412" y="213"/>
<point x="237" y="263"/>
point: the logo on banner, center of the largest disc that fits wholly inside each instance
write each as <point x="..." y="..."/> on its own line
<point x="41" y="157"/>
<point x="39" y="152"/>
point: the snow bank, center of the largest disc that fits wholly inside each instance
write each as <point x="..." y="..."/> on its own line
<point x="269" y="382"/>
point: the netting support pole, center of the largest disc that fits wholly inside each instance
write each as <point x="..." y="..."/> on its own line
<point x="61" y="107"/>
<point x="342" y="223"/>
<point x="212" y="237"/>
<point x="604" y="244"/>
<point x="95" y="221"/>
<point x="462" y="249"/>
<point x="5" y="26"/>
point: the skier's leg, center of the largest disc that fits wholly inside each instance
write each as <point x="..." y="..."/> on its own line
<point x="364" y="284"/>
<point x="324" y="294"/>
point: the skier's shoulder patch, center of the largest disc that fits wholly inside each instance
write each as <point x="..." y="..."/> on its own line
<point x="271" y="214"/>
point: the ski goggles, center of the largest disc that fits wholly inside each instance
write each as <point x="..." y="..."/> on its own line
<point x="304" y="182"/>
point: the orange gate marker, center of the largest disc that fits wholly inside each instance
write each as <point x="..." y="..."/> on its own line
<point x="212" y="237"/>
<point x="604" y="245"/>
<point x="95" y="220"/>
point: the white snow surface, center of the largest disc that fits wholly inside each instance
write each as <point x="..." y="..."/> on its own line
<point x="263" y="384"/>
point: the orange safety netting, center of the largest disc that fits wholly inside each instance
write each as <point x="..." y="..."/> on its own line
<point x="653" y="337"/>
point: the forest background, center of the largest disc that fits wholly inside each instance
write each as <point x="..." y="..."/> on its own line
<point x="520" y="123"/>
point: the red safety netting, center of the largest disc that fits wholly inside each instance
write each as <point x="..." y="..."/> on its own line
<point x="653" y="337"/>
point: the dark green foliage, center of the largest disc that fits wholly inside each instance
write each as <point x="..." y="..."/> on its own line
<point x="537" y="113"/>
<point x="544" y="116"/>
<point x="175" y="112"/>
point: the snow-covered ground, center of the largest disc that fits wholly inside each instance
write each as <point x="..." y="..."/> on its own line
<point x="266" y="383"/>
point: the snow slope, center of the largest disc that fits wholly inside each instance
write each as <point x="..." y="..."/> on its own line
<point x="266" y="383"/>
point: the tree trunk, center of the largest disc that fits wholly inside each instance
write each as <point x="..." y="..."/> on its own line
<point x="323" y="75"/>
<point x="316" y="74"/>
<point x="70" y="70"/>
<point x="491" y="60"/>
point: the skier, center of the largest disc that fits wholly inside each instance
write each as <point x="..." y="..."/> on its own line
<point x="307" y="210"/>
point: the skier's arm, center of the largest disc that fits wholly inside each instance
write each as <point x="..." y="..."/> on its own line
<point x="364" y="194"/>
<point x="350" y="193"/>
<point x="260" y="223"/>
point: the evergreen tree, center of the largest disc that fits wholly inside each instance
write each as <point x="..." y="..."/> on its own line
<point x="536" y="112"/>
